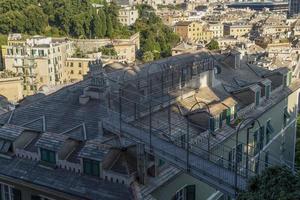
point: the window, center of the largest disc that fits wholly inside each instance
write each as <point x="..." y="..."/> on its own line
<point x="91" y="167"/>
<point x="48" y="156"/>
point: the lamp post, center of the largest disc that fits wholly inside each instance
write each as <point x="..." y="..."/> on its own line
<point x="252" y="124"/>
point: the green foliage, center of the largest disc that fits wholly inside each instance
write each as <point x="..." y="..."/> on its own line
<point x="156" y="37"/>
<point x="108" y="50"/>
<point x="148" y="56"/>
<point x="3" y="40"/>
<point x="273" y="183"/>
<point x="61" y="17"/>
<point x="212" y="45"/>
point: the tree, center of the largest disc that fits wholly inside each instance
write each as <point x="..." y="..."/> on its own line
<point x="36" y="20"/>
<point x="273" y="183"/>
<point x="212" y="45"/>
<point x="148" y="56"/>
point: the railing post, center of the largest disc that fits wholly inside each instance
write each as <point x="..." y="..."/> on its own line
<point x="188" y="147"/>
<point x="150" y="119"/>
<point x="169" y="115"/>
<point x="120" y="110"/>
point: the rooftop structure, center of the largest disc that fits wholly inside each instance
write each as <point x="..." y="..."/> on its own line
<point x="109" y="132"/>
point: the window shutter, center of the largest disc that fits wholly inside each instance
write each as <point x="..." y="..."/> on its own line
<point x="228" y="115"/>
<point x="261" y="137"/>
<point x="191" y="192"/>
<point x="212" y="124"/>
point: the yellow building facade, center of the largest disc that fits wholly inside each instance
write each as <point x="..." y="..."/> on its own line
<point x="193" y="31"/>
<point x="11" y="88"/>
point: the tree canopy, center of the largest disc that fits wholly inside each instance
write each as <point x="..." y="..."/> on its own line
<point x="212" y="45"/>
<point x="61" y="17"/>
<point x="156" y="37"/>
<point x="274" y="183"/>
<point x="79" y="19"/>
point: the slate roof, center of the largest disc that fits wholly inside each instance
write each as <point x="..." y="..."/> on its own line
<point x="10" y="132"/>
<point x="62" y="180"/>
<point x="62" y="112"/>
<point x="93" y="149"/>
<point x="51" y="141"/>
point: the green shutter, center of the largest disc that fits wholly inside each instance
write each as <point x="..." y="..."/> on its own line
<point x="91" y="167"/>
<point x="255" y="135"/>
<point x="87" y="167"/>
<point x="239" y="150"/>
<point x="48" y="156"/>
<point x="44" y="155"/>
<point x="191" y="192"/>
<point x="261" y="137"/>
<point x="257" y="96"/>
<point x="228" y="116"/>
<point x="268" y="89"/>
<point x="220" y="120"/>
<point x="212" y="124"/>
<point x="285" y="80"/>
<point x="95" y="168"/>
<point x="17" y="195"/>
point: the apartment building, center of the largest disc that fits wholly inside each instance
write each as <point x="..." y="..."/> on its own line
<point x="237" y="30"/>
<point x="217" y="29"/>
<point x="128" y="15"/>
<point x="193" y="31"/>
<point x="40" y="60"/>
<point x="275" y="29"/>
<point x="143" y="132"/>
<point x="76" y="69"/>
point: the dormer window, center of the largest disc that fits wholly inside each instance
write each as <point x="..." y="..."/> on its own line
<point x="48" y="156"/>
<point x="91" y="167"/>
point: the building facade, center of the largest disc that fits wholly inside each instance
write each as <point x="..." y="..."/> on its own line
<point x="103" y="139"/>
<point x="40" y="60"/>
<point x="128" y="15"/>
<point x="237" y="30"/>
<point x="193" y="31"/>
